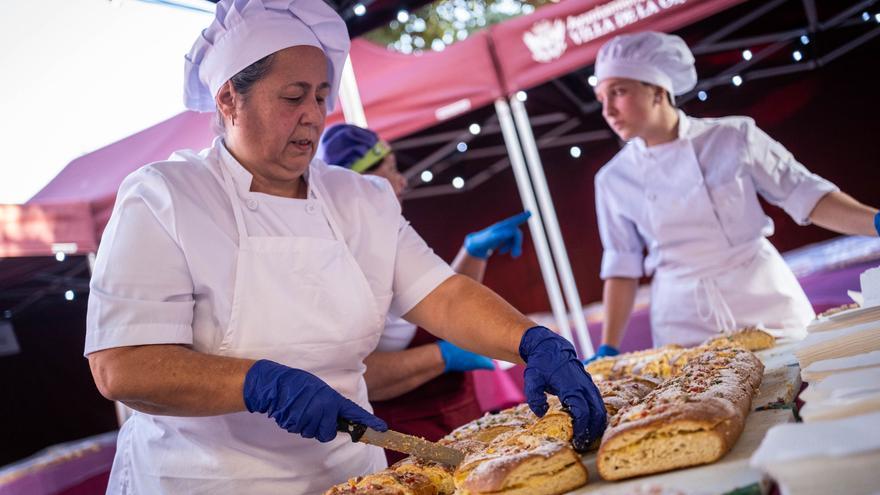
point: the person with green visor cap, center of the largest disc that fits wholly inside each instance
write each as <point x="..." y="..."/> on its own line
<point x="415" y="382"/>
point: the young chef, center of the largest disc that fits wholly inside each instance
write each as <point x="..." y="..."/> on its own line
<point x="685" y="190"/>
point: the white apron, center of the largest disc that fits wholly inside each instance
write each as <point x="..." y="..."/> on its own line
<point x="705" y="286"/>
<point x="300" y="301"/>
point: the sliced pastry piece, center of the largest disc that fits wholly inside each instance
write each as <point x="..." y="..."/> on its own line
<point x="548" y="469"/>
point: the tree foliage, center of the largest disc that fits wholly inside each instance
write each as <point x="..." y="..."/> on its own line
<point x="443" y="22"/>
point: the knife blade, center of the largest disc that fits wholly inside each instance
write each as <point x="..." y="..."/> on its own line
<point x="401" y="442"/>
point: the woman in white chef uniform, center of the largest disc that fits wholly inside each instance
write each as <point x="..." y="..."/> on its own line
<point x="686" y="189"/>
<point x="239" y="289"/>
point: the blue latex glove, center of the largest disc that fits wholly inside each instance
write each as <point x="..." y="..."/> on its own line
<point x="553" y="366"/>
<point x="877" y="222"/>
<point x="300" y="402"/>
<point x="504" y="236"/>
<point x="604" y="350"/>
<point x="458" y="359"/>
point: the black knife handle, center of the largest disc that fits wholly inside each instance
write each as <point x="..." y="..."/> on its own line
<point x="356" y="430"/>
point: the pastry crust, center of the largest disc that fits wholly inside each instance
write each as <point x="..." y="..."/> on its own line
<point x="386" y="482"/>
<point x="751" y="338"/>
<point x="837" y="309"/>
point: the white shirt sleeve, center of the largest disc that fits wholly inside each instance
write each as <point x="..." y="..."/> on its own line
<point x="141" y="289"/>
<point x="417" y="270"/>
<point x="623" y="254"/>
<point x="780" y="178"/>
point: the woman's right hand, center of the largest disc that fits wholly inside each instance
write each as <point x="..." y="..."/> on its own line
<point x="300" y="402"/>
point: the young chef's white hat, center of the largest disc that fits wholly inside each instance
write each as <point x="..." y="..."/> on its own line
<point x="244" y="31"/>
<point x="651" y="57"/>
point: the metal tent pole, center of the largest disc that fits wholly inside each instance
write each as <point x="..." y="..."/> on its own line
<point x="551" y="223"/>
<point x="350" y="97"/>
<point x="536" y="227"/>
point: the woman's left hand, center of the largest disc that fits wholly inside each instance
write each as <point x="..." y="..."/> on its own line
<point x="553" y="366"/>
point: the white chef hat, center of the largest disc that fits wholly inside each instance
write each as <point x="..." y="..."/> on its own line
<point x="244" y="31"/>
<point x="651" y="57"/>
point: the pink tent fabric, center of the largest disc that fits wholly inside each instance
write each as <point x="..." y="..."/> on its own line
<point x="97" y="175"/>
<point x="403" y="94"/>
<point x="75" y="206"/>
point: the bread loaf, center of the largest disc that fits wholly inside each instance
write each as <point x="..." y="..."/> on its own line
<point x="668" y="361"/>
<point x="694" y="418"/>
<point x="550" y="468"/>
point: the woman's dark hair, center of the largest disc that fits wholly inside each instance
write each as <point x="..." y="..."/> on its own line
<point x="243" y="82"/>
<point x="668" y="96"/>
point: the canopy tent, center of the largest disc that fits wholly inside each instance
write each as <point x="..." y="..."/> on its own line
<point x="407" y="94"/>
<point x="403" y="94"/>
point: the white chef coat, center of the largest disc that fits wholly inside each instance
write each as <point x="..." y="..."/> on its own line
<point x="166" y="269"/>
<point x="734" y="162"/>
<point x="396" y="336"/>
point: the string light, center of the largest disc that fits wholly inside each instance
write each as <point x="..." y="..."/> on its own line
<point x="427" y="176"/>
<point x="593" y="81"/>
<point x="522" y="96"/>
<point x="805" y="40"/>
<point x="461" y="146"/>
<point x="575" y="152"/>
<point x="458" y="182"/>
<point x="736" y="80"/>
<point x="359" y="9"/>
<point x="60" y="256"/>
<point x="474" y="129"/>
<point x="797" y="55"/>
<point x="747" y="54"/>
<point x="402" y="16"/>
<point x="702" y="95"/>
<point x="69" y="295"/>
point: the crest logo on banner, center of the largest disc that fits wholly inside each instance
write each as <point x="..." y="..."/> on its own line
<point x="546" y="40"/>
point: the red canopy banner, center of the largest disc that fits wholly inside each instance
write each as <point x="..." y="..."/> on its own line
<point x="558" y="39"/>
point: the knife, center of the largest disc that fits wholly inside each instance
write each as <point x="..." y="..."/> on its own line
<point x="400" y="442"/>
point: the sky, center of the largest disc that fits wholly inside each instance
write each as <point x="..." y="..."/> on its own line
<point x="81" y="74"/>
